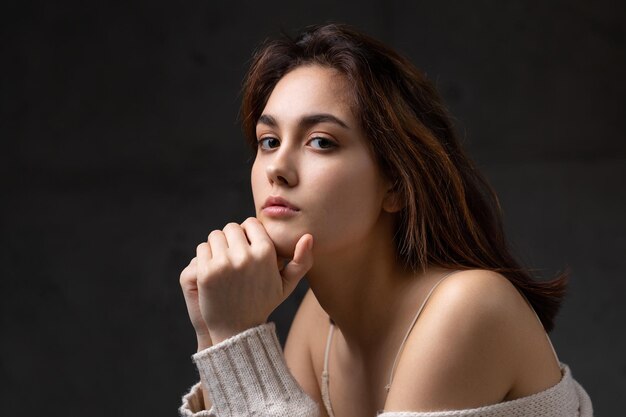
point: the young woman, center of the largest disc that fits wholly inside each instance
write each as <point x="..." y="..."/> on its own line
<point x="416" y="306"/>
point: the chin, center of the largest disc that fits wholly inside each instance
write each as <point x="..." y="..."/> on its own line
<point x="285" y="249"/>
<point x="284" y="239"/>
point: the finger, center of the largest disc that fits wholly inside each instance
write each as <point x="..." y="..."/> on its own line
<point x="218" y="243"/>
<point x="255" y="232"/>
<point x="281" y="263"/>
<point x="188" y="275"/>
<point x="202" y="259"/>
<point x="203" y="253"/>
<point x="302" y="261"/>
<point x="236" y="237"/>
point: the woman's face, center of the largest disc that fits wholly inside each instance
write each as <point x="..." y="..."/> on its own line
<point x="313" y="154"/>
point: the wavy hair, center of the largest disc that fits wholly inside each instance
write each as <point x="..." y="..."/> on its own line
<point x="451" y="217"/>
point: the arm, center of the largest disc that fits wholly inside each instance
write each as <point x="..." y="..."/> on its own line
<point x="197" y="398"/>
<point x="230" y="288"/>
<point x="247" y="375"/>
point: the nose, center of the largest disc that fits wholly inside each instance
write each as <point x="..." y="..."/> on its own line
<point x="281" y="170"/>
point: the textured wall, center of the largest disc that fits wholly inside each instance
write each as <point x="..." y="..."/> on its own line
<point x="121" y="151"/>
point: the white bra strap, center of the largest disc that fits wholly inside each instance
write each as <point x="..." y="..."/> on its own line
<point x="406" y="336"/>
<point x="325" y="379"/>
<point x="328" y="342"/>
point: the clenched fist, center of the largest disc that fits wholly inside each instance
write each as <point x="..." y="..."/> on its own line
<point x="234" y="282"/>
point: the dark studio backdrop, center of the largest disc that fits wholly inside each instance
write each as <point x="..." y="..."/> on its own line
<point x="121" y="152"/>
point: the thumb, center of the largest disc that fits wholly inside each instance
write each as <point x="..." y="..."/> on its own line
<point x="302" y="261"/>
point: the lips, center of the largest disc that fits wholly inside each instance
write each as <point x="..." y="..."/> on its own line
<point x="273" y="201"/>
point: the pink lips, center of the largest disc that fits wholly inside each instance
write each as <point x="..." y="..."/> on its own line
<point x="279" y="207"/>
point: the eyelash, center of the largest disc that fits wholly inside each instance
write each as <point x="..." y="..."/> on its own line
<point x="262" y="140"/>
<point x="330" y="142"/>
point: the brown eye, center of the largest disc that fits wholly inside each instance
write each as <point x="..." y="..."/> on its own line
<point x="322" y="143"/>
<point x="268" y="143"/>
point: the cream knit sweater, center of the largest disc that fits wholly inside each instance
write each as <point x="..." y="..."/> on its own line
<point x="246" y="375"/>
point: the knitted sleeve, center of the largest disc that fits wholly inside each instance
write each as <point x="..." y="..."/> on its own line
<point x="247" y="375"/>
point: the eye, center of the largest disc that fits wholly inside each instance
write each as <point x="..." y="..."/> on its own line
<point x="268" y="143"/>
<point x="322" y="143"/>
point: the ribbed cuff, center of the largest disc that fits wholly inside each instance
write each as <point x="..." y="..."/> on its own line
<point x="193" y="404"/>
<point x="247" y="374"/>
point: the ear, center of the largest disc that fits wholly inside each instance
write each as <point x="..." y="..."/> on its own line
<point x="392" y="202"/>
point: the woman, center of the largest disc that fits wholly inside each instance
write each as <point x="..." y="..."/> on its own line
<point x="416" y="307"/>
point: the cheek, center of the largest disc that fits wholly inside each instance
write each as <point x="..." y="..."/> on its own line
<point x="350" y="203"/>
<point x="257" y="180"/>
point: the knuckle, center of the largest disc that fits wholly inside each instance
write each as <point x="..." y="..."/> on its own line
<point x="214" y="233"/>
<point x="212" y="273"/>
<point x="239" y="260"/>
<point x="218" y="266"/>
<point x="250" y="220"/>
<point x="263" y="250"/>
<point x="188" y="274"/>
<point x="206" y="273"/>
<point x="231" y="226"/>
<point x="183" y="279"/>
<point x="203" y="280"/>
<point x="266" y="247"/>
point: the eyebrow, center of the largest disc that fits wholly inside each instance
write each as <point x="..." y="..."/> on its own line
<point x="306" y="121"/>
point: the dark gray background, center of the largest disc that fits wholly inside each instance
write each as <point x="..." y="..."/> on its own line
<point x="121" y="152"/>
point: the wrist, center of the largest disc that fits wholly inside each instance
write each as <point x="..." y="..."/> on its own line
<point x="204" y="342"/>
<point x="218" y="335"/>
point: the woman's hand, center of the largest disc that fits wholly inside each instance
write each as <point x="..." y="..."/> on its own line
<point x="237" y="279"/>
<point x="189" y="285"/>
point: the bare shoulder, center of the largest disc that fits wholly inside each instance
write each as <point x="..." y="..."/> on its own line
<point x="482" y="292"/>
<point x="471" y="305"/>
<point x="477" y="342"/>
<point x="307" y="334"/>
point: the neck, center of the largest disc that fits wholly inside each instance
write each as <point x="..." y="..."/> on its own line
<point x="361" y="289"/>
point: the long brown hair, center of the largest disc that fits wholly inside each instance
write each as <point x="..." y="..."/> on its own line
<point x="451" y="216"/>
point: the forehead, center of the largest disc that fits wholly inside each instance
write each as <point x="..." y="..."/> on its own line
<point x="310" y="89"/>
